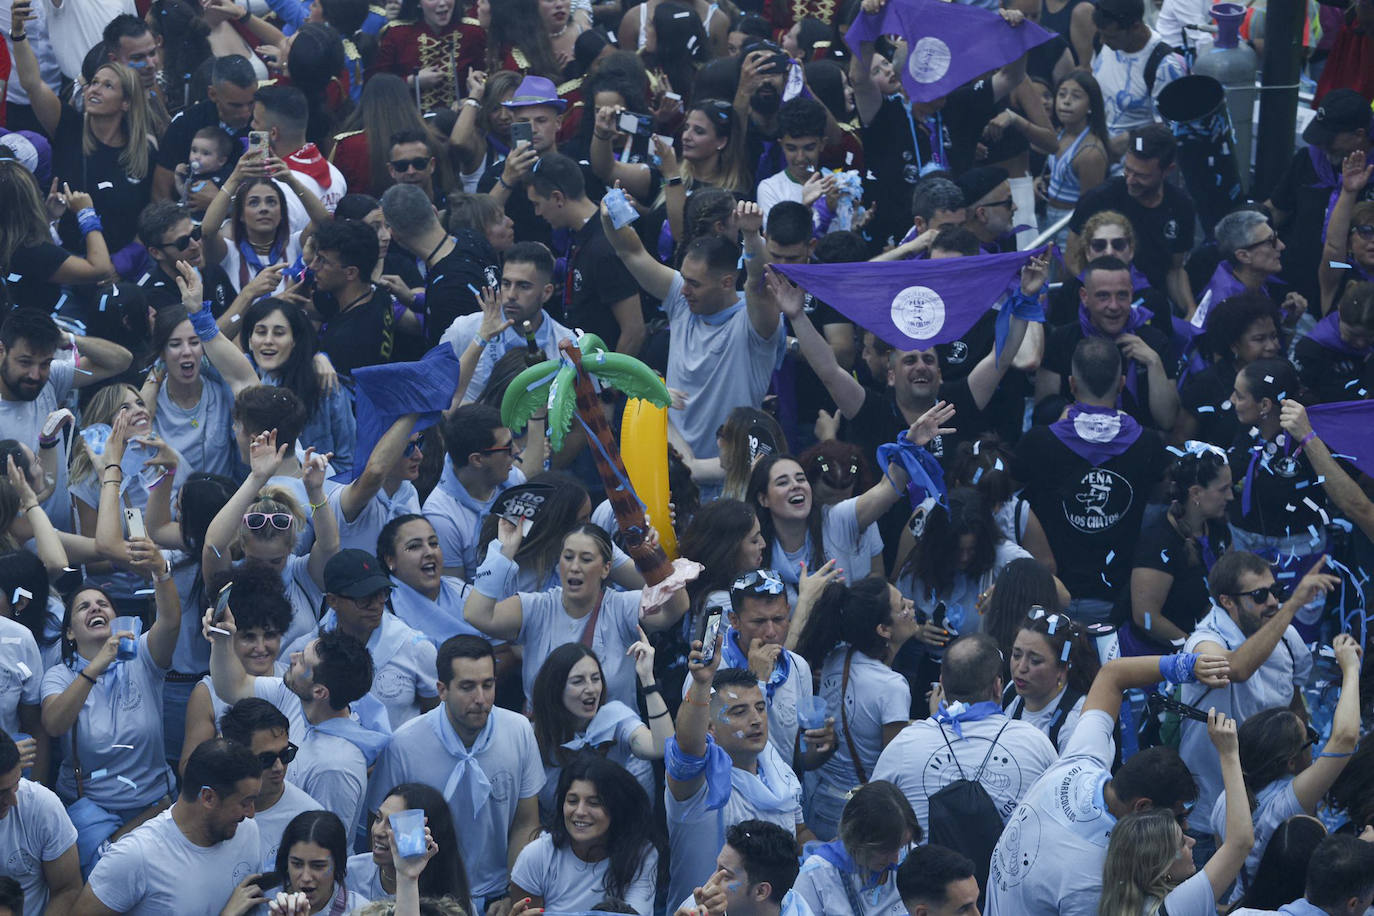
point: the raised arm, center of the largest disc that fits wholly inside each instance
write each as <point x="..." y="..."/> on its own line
<point x="146" y="558"/>
<point x="264" y="458"/>
<point x="656" y="279"/>
<point x="387" y="452"/>
<point x="867" y="96"/>
<point x="493" y="325"/>
<point x="490" y="606"/>
<point x="694" y="716"/>
<point x="884" y="494"/>
<point x="846" y="391"/>
<point x="326" y="524"/>
<point x="990" y="370"/>
<point x="1335" y="249"/>
<point x="762" y="305"/>
<point x="1121" y="674"/>
<point x="47" y="107"/>
<point x="231" y="680"/>
<point x="466" y="140"/>
<point x="47" y="543"/>
<point x="1225" y="864"/>
<point x="250" y="165"/>
<point x="635" y="178"/>
<point x="231" y="362"/>
<point x="98" y="359"/>
<point x="1313" y="783"/>
<point x="1344" y="492"/>
<point x="96" y="266"/>
<point x="109" y="515"/>
<point x="647" y="742"/>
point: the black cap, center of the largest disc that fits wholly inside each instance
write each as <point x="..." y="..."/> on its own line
<point x="1125" y="13"/>
<point x="354" y="574"/>
<point x="979" y="182"/>
<point x="1341" y="110"/>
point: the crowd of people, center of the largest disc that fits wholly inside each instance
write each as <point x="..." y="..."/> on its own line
<point x="1044" y="597"/>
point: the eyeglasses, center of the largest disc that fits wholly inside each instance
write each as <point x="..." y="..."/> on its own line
<point x="268" y="759"/>
<point x="374" y="600"/>
<point x="1258" y="595"/>
<point x="323" y="261"/>
<point x="1008" y="203"/>
<point x="282" y="521"/>
<point x="1364" y="231"/>
<point x="759" y="582"/>
<point x="1120" y="244"/>
<point x="418" y="164"/>
<point x="508" y="448"/>
<point x="181" y="243"/>
<point x="1272" y="241"/>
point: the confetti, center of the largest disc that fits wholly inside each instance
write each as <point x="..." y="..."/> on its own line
<point x="15" y="278"/>
<point x="1226" y="405"/>
<point x="1268" y="380"/>
<point x="145" y="591"/>
<point x="20" y="592"/>
<point x="99" y="774"/>
<point x="221" y="632"/>
<point x="1064" y="656"/>
<point x="216" y="550"/>
<point x="1054" y="625"/>
<point x="127" y="747"/>
<point x="128" y="782"/>
<point x="1206" y="409"/>
<point x="84" y="371"/>
<point x="1148" y="624"/>
<point x="1164" y="556"/>
<point x="233" y="318"/>
<point x="474" y="291"/>
<point x="1111" y="555"/>
<point x="1339" y="265"/>
<point x="104" y="300"/>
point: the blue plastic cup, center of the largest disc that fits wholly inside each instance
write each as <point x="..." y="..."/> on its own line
<point x="811" y="714"/>
<point x="409" y="828"/>
<point x="128" y="648"/>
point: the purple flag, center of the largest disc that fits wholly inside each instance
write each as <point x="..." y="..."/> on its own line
<point x="386" y="392"/>
<point x="1347" y="428"/>
<point x="950" y="43"/>
<point x="912" y="304"/>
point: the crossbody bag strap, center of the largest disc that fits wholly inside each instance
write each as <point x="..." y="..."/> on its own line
<point x="844" y="720"/>
<point x="589" y="631"/>
<point x="76" y="758"/>
<point x="856" y="905"/>
<point x="988" y="756"/>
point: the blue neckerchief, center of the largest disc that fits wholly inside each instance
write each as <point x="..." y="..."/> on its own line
<point x="250" y="257"/>
<point x="437" y="620"/>
<point x="871" y="882"/>
<point x="955" y="716"/>
<point x="734" y="657"/>
<point x="370" y="742"/>
<point x="450" y="484"/>
<point x="927" y="478"/>
<point x="764" y="792"/>
<point x="724" y="315"/>
<point x="603" y="727"/>
<point x="1016" y="305"/>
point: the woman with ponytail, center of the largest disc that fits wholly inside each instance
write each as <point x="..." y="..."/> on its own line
<point x="1174" y="554"/>
<point x="1053" y="661"/>
<point x="851" y="637"/>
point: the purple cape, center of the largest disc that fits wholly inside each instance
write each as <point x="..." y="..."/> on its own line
<point x="1096" y="434"/>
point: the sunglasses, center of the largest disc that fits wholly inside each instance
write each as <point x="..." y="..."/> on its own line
<point x="282" y="521"/>
<point x="412" y="447"/>
<point x="181" y="243"/>
<point x="268" y="759"/>
<point x="1272" y="242"/>
<point x="1120" y="244"/>
<point x="1008" y="203"/>
<point x="418" y="164"/>
<point x="508" y="448"/>
<point x="1364" y="231"/>
<point x="1258" y="595"/>
<point x="759" y="582"/>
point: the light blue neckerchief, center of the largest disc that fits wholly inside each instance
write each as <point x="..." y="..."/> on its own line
<point x="603" y="727"/>
<point x="467" y="769"/>
<point x="732" y="656"/>
<point x="954" y="716"/>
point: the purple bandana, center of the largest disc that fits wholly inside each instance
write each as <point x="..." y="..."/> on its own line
<point x="1096" y="434"/>
<point x="1139" y="317"/>
<point x="950" y="43"/>
<point x="1328" y="334"/>
<point x="1347" y="428"/>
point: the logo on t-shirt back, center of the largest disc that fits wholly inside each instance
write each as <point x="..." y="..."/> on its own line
<point x="1101" y="498"/>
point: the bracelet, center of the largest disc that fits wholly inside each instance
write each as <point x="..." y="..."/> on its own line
<point x="660" y="715"/>
<point x="19" y="36"/>
<point x="1307" y="438"/>
<point x="480" y="341"/>
<point x="473" y="102"/>
<point x="501" y="180"/>
<point x="88" y="220"/>
<point x="164" y="577"/>
<point x="322" y="503"/>
<point x="44" y="442"/>
<point x="115" y="466"/>
<point x="1322" y="754"/>
<point x="600" y="136"/>
<point x="109" y="482"/>
<point x="655" y="687"/>
<point x="29" y="509"/>
<point x="88" y="677"/>
<point x="675" y="180"/>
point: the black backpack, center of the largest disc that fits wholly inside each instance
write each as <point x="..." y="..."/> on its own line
<point x="963" y="817"/>
<point x="1152" y="62"/>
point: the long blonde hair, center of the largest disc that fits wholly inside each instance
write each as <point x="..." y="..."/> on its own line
<point x="734" y="173"/>
<point x="272" y="498"/>
<point x="138" y="123"/>
<point x="103" y="408"/>
<point x="26" y="220"/>
<point x="1135" y="877"/>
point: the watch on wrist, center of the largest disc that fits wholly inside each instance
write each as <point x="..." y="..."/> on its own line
<point x="675" y="180"/>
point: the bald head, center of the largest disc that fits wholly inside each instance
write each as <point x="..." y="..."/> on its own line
<point x="972" y="670"/>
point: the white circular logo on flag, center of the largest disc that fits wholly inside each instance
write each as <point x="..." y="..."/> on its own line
<point x="919" y="312"/>
<point x="1097" y="427"/>
<point x="929" y="60"/>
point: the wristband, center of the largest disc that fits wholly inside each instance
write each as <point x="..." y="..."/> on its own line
<point x="655" y="687"/>
<point x="88" y="220"/>
<point x="19" y="36"/>
<point x="1307" y="438"/>
<point x="480" y="341"/>
<point x="115" y="466"/>
<point x="1178" y="668"/>
<point x="501" y="180"/>
<point x="496" y="576"/>
<point x="88" y="677"/>
<point x="203" y="321"/>
<point x="1322" y="754"/>
<point x="675" y="180"/>
<point x="165" y="577"/>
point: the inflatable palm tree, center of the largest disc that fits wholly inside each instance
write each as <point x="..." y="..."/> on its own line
<point x="566" y="388"/>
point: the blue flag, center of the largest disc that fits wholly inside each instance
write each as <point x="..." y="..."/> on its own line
<point x="912" y="305"/>
<point x="1347" y="428"/>
<point x="387" y="392"/>
<point x="950" y="43"/>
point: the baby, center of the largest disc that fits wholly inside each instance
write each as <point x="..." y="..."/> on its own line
<point x="209" y="161"/>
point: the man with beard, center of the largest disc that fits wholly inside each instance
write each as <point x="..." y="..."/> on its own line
<point x="1269" y="660"/>
<point x="33" y="385"/>
<point x="195" y="856"/>
<point x="173" y="238"/>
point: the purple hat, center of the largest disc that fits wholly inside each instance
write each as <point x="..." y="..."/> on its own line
<point x="535" y="90"/>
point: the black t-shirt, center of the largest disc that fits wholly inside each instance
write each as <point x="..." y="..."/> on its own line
<point x="117" y="197"/>
<point x="1091" y="515"/>
<point x="528" y="226"/>
<point x="1300" y="195"/>
<point x="1162" y="548"/>
<point x="403" y="264"/>
<point x="896" y="167"/>
<point x="161" y="291"/>
<point x="365" y="335"/>
<point x="1059" y="346"/>
<point x="1207" y="395"/>
<point x="30" y="282"/>
<point x="596" y="279"/>
<point x="447" y="292"/>
<point x="1005" y="411"/>
<point x="175" y="147"/>
<point x="1283" y="487"/>
<point x="1160" y="232"/>
<point x="1064" y="302"/>
<point x="1328" y="375"/>
<point x="967" y="111"/>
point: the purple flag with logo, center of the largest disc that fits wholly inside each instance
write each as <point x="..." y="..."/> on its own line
<point x="1347" y="428"/>
<point x="912" y="305"/>
<point x="386" y="392"/>
<point x="949" y="43"/>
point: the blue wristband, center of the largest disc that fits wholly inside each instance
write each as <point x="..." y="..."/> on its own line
<point x="203" y="320"/>
<point x="1178" y="668"/>
<point x="88" y="220"/>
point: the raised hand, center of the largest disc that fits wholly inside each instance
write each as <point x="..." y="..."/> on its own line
<point x="20" y="482"/>
<point x="494" y="320"/>
<point x="810" y="585"/>
<point x="314" y="467"/>
<point x="1222" y="730"/>
<point x="191" y="287"/>
<point x="1355" y="172"/>
<point x="1034" y="274"/>
<point x="264" y="455"/>
<point x="225" y="626"/>
<point x="510" y="535"/>
<point x="791" y="299"/>
<point x="703" y="673"/>
<point x="1293" y="419"/>
<point x="145" y="557"/>
<point x="931" y="424"/>
<point x="668" y="165"/>
<point x="1314" y="583"/>
<point x="77" y="200"/>
<point x="1348" y="652"/>
<point x="749" y="217"/>
<point x="643" y="652"/>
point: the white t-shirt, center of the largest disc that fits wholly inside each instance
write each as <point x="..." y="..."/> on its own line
<point x="330" y="197"/>
<point x="272" y="822"/>
<point x="720" y="361"/>
<point x="1045" y="717"/>
<point x="546" y="626"/>
<point x="875" y="696"/>
<point x="21" y="672"/>
<point x="1049" y="859"/>
<point x="76" y="27"/>
<point x="1130" y="104"/>
<point x="36" y="830"/>
<point x="918" y="761"/>
<point x="155" y="870"/>
<point x="23" y="420"/>
<point x="1194" y="897"/>
<point x="233" y="258"/>
<point x="776" y="188"/>
<point x="569" y="884"/>
<point x="842" y="540"/>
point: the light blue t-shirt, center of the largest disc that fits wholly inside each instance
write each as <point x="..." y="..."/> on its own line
<point x="457" y="517"/>
<point x="361" y="533"/>
<point x="546" y="626"/>
<point x="569" y="884"/>
<point x="21" y="672"/>
<point x="204" y="434"/>
<point x="36" y="830"/>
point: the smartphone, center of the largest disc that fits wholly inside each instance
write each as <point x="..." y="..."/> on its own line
<point x="222" y="603"/>
<point x="521" y="130"/>
<point x="258" y="138"/>
<point x="637" y="125"/>
<point x="1158" y="702"/>
<point x="134" y="519"/>
<point x="710" y="629"/>
<point x="267" y="880"/>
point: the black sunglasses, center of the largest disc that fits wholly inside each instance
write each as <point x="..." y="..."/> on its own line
<point x="419" y="164"/>
<point x="1258" y="595"/>
<point x="181" y="243"/>
<point x="1364" y="231"/>
<point x="269" y="758"/>
<point x="411" y="447"/>
<point x="1008" y="203"/>
<point x="1120" y="244"/>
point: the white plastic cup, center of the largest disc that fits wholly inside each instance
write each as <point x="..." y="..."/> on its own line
<point x="409" y="827"/>
<point x="128" y="648"/>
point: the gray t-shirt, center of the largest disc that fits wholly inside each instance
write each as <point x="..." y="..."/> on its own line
<point x="23" y="421"/>
<point x="569" y="884"/>
<point x="546" y="626"/>
<point x="36" y="830"/>
<point x="21" y="673"/>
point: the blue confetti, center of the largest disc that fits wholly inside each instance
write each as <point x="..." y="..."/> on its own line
<point x="103" y="300"/>
<point x="14" y="278"/>
<point x="1105" y="581"/>
<point x="1206" y="409"/>
<point x="977" y="475"/>
<point x="145" y="591"/>
<point x="1148" y="625"/>
<point x="472" y="289"/>
<point x="84" y="371"/>
<point x="61" y="300"/>
<point x="1339" y="265"/>
<point x="128" y="782"/>
<point x="1064" y="656"/>
<point x="1111" y="555"/>
<point x="216" y="550"/>
<point x="99" y="774"/>
<point x="1312" y="530"/>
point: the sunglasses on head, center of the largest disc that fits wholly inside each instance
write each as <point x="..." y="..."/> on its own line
<point x="1258" y="595"/>
<point x="418" y="164"/>
<point x="268" y="759"/>
<point x="1120" y="244"/>
<point x="181" y="243"/>
<point x="1364" y="231"/>
<point x="1054" y="622"/>
<point x="759" y="582"/>
<point x="282" y="521"/>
